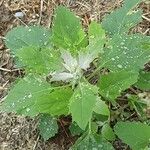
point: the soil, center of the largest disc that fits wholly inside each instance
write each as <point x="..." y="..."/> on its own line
<point x="19" y="132"/>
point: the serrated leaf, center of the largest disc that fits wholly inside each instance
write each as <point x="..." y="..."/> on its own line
<point x="27" y="36"/>
<point x="96" y="38"/>
<point x="83" y="100"/>
<point x="75" y="129"/>
<point x="135" y="134"/>
<point x="143" y="81"/>
<point x="101" y="108"/>
<point x="48" y="126"/>
<point x="39" y="60"/>
<point x="89" y="142"/>
<point x="113" y="84"/>
<point x="67" y="30"/>
<point x="122" y="19"/>
<point x="125" y="52"/>
<point x="107" y="132"/>
<point x="33" y="95"/>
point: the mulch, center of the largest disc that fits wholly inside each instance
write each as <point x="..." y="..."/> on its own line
<point x="19" y="132"/>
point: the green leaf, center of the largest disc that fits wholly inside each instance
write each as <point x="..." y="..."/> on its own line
<point x="75" y="129"/>
<point x="48" y="126"/>
<point x="135" y="134"/>
<point x="143" y="81"/>
<point x="27" y="36"/>
<point x="107" y="132"/>
<point x="101" y="108"/>
<point x="33" y="95"/>
<point x="122" y="19"/>
<point x="82" y="104"/>
<point x="97" y="38"/>
<point x="67" y="30"/>
<point x="38" y="60"/>
<point x="89" y="142"/>
<point x="125" y="52"/>
<point x="113" y="84"/>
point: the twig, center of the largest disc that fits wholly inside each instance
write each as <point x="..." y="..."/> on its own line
<point x="4" y="69"/>
<point x="2" y="88"/>
<point x="1" y="37"/>
<point x="144" y="17"/>
<point x="62" y="125"/>
<point x="41" y="9"/>
<point x="34" y="147"/>
<point x="8" y="70"/>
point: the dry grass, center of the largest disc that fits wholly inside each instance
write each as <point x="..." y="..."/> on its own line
<point x="19" y="133"/>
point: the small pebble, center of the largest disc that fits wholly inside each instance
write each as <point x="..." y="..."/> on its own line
<point x="19" y="14"/>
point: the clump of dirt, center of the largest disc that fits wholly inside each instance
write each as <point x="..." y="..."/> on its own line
<point x="18" y="132"/>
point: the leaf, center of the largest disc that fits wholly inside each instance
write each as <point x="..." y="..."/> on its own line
<point x="33" y="95"/>
<point x="125" y="52"/>
<point x="107" y="132"/>
<point x="122" y="19"/>
<point x="113" y="84"/>
<point x="89" y="142"/>
<point x="97" y="38"/>
<point x="67" y="30"/>
<point x="83" y="100"/>
<point x="48" y="126"/>
<point x="27" y="36"/>
<point x="135" y="134"/>
<point x="75" y="129"/>
<point x="38" y="60"/>
<point x="143" y="81"/>
<point x="101" y="108"/>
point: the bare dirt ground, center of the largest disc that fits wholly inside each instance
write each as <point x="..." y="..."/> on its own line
<point x="18" y="132"/>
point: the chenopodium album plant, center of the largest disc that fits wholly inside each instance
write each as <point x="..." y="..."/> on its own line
<point x="69" y="72"/>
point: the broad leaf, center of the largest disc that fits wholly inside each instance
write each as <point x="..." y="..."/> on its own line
<point x="101" y="108"/>
<point x="135" y="134"/>
<point x="67" y="30"/>
<point x="27" y="36"/>
<point x="107" y="132"/>
<point x="89" y="142"/>
<point x="48" y="126"/>
<point x="143" y="81"/>
<point x="39" y="60"/>
<point x="126" y="52"/>
<point x="113" y="84"/>
<point x="96" y="38"/>
<point x="122" y="19"/>
<point x="32" y="95"/>
<point x="82" y="104"/>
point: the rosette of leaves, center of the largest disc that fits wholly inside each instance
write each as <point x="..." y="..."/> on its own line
<point x="56" y="62"/>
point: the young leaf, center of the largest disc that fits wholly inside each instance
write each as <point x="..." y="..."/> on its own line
<point x="67" y="30"/>
<point x="48" y="126"/>
<point x="82" y="104"/>
<point x="89" y="142"/>
<point x="101" y="108"/>
<point x="135" y="134"/>
<point x="112" y="84"/>
<point x="27" y="36"/>
<point x="107" y="132"/>
<point x="38" y="60"/>
<point x="32" y="95"/>
<point x="96" y="38"/>
<point x="122" y="19"/>
<point x="126" y="52"/>
<point x="143" y="81"/>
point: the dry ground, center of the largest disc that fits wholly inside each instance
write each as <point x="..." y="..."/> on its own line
<point x="19" y="133"/>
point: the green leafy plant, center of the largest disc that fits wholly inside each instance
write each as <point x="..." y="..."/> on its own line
<point x="57" y="81"/>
